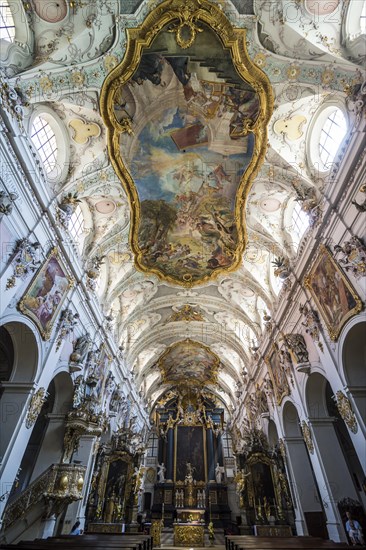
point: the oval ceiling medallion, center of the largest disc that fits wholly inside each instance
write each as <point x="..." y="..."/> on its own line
<point x="187" y="114"/>
<point x="247" y="292"/>
<point x="105" y="207"/>
<point x="51" y="11"/>
<point x="270" y="205"/>
<point x="321" y="8"/>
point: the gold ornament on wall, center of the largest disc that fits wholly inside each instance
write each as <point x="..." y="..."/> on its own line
<point x="35" y="406"/>
<point x="345" y="410"/>
<point x="306" y="432"/>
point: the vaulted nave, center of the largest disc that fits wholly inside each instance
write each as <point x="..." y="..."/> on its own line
<point x="183" y="274"/>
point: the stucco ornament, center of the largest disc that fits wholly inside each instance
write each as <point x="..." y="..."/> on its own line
<point x="35" y="406"/>
<point x="345" y="410"/>
<point x="306" y="432"/>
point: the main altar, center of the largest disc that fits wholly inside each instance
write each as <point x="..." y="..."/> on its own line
<point x="191" y="488"/>
<point x="189" y="534"/>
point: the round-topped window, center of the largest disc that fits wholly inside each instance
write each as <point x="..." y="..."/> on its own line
<point x="7" y="26"/>
<point x="325" y="135"/>
<point x="45" y="142"/>
<point x="331" y="136"/>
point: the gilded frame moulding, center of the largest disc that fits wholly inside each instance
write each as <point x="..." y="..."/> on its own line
<point x="41" y="302"/>
<point x="185" y="22"/>
<point x="332" y="292"/>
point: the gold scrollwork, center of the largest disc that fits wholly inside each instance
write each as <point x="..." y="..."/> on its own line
<point x="188" y="535"/>
<point x="345" y="410"/>
<point x="306" y="432"/>
<point x="35" y="407"/>
<point x="186" y="31"/>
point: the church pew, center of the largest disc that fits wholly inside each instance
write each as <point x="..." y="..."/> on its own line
<point x="42" y="544"/>
<point x="107" y="541"/>
<point x="145" y="540"/>
<point x="244" y="542"/>
<point x="77" y="542"/>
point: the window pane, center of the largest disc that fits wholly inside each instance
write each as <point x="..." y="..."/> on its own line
<point x="44" y="139"/>
<point x="7" y="27"/>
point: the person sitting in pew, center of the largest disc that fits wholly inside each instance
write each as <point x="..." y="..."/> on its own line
<point x="76" y="529"/>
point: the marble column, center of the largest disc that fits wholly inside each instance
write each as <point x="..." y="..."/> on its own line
<point x="170" y="455"/>
<point x="210" y="455"/>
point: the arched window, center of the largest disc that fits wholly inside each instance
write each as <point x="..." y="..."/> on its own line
<point x="363" y="19"/>
<point x="7" y="26"/>
<point x="331" y="136"/>
<point x="300" y="220"/>
<point x="76" y="225"/>
<point x="45" y="142"/>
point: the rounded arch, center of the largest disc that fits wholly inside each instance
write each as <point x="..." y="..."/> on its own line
<point x="291" y="421"/>
<point x="26" y="352"/>
<point x="272" y="433"/>
<point x="353" y="360"/>
<point x="45" y="445"/>
<point x="354" y="355"/>
<point x="315" y="394"/>
<point x="64" y="389"/>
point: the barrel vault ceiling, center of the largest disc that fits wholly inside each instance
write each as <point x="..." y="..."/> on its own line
<point x="305" y="64"/>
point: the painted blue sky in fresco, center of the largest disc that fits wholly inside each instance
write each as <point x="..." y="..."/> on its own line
<point x="161" y="171"/>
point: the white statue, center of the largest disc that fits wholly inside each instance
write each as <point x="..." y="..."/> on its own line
<point x="161" y="472"/>
<point x="219" y="470"/>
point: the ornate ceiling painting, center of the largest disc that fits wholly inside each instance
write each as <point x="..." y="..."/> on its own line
<point x="175" y="139"/>
<point x="187" y="113"/>
<point x="189" y="363"/>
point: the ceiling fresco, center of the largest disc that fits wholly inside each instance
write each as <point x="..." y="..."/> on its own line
<point x="189" y="363"/>
<point x="187" y="133"/>
<point x="166" y="161"/>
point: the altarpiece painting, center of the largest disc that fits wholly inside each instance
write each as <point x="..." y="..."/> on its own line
<point x="335" y="297"/>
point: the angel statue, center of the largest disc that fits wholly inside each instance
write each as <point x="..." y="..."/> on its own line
<point x="161" y="472"/>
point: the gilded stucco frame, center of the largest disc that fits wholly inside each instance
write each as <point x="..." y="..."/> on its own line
<point x="334" y="327"/>
<point x="185" y="17"/>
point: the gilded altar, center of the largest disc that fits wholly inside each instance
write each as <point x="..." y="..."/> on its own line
<point x="189" y="535"/>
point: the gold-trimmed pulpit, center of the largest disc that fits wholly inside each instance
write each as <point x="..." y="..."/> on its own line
<point x="191" y="535"/>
